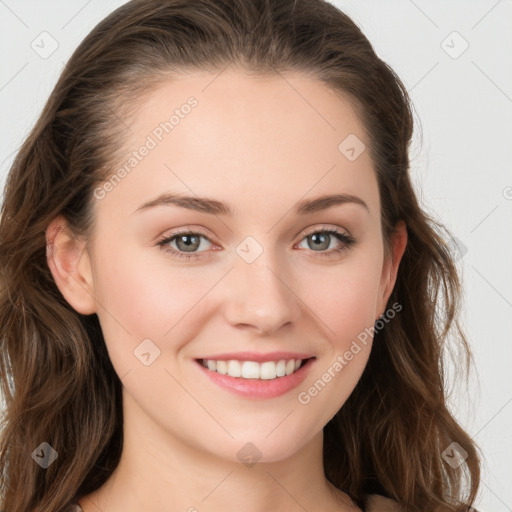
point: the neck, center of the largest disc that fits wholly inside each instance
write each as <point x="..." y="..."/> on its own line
<point x="157" y="470"/>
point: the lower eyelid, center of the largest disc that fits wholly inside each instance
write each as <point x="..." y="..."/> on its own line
<point x="345" y="239"/>
<point x="172" y="238"/>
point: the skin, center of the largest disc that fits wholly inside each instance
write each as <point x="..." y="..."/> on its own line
<point x="260" y="145"/>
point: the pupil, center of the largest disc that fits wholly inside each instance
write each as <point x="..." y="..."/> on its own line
<point x="193" y="243"/>
<point x="317" y="237"/>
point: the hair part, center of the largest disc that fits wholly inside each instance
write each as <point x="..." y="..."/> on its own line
<point x="57" y="380"/>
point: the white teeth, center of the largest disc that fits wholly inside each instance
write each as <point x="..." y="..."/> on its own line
<point x="222" y="367"/>
<point x="234" y="368"/>
<point x="268" y="370"/>
<point x="252" y="370"/>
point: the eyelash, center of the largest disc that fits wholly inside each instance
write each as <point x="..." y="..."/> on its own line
<point x="347" y="240"/>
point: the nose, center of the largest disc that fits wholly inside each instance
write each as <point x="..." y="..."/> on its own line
<point x="261" y="297"/>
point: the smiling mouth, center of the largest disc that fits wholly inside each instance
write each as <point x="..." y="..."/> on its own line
<point x="252" y="370"/>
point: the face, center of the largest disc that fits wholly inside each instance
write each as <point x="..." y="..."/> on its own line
<point x="253" y="268"/>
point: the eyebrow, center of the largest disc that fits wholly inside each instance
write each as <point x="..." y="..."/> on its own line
<point x="214" y="207"/>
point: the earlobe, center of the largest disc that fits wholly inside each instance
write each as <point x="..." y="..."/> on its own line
<point x="390" y="269"/>
<point x="70" y="266"/>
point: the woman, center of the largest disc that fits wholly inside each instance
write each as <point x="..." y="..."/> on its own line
<point x="219" y="291"/>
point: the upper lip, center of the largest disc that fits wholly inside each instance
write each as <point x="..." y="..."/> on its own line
<point x="257" y="357"/>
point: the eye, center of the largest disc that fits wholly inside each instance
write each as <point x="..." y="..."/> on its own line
<point x="187" y="244"/>
<point x="320" y="240"/>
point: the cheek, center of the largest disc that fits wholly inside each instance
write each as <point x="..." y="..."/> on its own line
<point x="345" y="299"/>
<point x="140" y="299"/>
<point x="347" y="309"/>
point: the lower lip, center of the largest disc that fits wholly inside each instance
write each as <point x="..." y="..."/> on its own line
<point x="258" y="388"/>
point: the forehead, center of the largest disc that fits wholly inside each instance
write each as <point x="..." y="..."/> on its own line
<point x="245" y="139"/>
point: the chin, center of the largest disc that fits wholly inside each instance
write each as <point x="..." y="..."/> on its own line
<point x="265" y="448"/>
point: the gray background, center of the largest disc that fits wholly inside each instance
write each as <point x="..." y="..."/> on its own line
<point x="461" y="159"/>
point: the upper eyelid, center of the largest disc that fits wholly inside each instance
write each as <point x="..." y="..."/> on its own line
<point x="325" y="227"/>
<point x="307" y="232"/>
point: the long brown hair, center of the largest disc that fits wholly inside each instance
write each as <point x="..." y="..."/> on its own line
<point x="58" y="383"/>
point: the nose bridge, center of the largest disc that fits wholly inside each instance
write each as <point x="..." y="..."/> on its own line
<point x="261" y="296"/>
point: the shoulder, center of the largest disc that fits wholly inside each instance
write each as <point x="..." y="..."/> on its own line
<point x="378" y="503"/>
<point x="74" y="507"/>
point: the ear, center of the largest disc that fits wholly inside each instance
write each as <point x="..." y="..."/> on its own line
<point x="390" y="268"/>
<point x="70" y="266"/>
